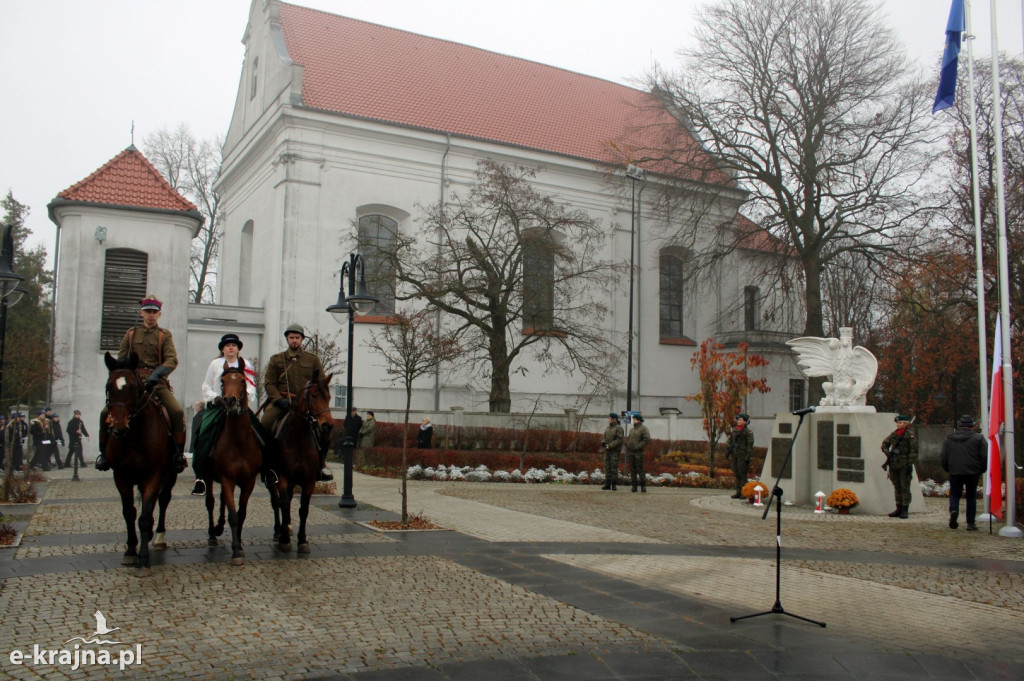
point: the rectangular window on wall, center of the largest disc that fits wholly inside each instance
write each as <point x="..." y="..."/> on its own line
<point x="377" y="235"/>
<point x="340" y="398"/>
<point x="125" y="274"/>
<point x="796" y="394"/>
<point x="751" y="295"/>
<point x="538" y="285"/>
<point x="670" y="296"/>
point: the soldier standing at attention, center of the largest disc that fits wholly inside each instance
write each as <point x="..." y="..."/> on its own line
<point x="741" y="446"/>
<point x="612" y="443"/>
<point x="900" y="449"/>
<point x="287" y="373"/>
<point x="636" y="445"/>
<point x="157" y="359"/>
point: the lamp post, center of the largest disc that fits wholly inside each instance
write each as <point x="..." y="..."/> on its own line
<point x="634" y="174"/>
<point x="358" y="302"/>
<point x="10" y="294"/>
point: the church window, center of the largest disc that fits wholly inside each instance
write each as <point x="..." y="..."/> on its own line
<point x="125" y="274"/>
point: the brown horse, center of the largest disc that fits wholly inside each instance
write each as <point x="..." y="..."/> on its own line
<point x="304" y="428"/>
<point x="141" y="454"/>
<point x="237" y="456"/>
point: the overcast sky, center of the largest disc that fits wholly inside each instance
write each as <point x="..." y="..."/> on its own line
<point x="76" y="73"/>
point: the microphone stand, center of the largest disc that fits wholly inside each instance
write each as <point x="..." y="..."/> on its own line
<point x="776" y="496"/>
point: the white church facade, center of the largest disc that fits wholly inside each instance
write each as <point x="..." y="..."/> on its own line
<point x="339" y="125"/>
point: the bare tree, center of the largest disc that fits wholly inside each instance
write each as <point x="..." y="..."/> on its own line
<point x="518" y="272"/>
<point x="807" y="105"/>
<point x="412" y="348"/>
<point x="192" y="167"/>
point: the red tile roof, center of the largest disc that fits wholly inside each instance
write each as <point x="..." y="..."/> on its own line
<point x="130" y="180"/>
<point x="361" y="69"/>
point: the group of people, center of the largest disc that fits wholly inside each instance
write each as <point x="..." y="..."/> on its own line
<point x="636" y="445"/>
<point x="47" y="432"/>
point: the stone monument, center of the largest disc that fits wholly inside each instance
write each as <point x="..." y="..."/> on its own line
<point x="839" y="445"/>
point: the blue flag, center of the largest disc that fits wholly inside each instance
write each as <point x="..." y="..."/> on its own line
<point x="955" y="27"/>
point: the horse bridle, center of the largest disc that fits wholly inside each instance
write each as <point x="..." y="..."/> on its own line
<point x="308" y="406"/>
<point x="140" y="402"/>
<point x="244" y="401"/>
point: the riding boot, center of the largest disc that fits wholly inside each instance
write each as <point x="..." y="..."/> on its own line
<point x="179" y="450"/>
<point x="615" y="481"/>
<point x="897" y="512"/>
<point x="101" y="460"/>
<point x="325" y="473"/>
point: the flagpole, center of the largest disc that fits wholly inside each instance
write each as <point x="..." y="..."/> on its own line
<point x="1010" y="529"/>
<point x="983" y="385"/>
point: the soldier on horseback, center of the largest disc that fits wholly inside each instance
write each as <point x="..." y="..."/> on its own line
<point x="287" y="373"/>
<point x="157" y="359"/>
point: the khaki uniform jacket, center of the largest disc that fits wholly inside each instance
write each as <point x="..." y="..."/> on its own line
<point x="907" y="454"/>
<point x="153" y="349"/>
<point x="638" y="439"/>
<point x="289" y="371"/>
<point x="612" y="439"/>
<point x="741" y="444"/>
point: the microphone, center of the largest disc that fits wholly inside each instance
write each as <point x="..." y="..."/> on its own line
<point x="805" y="410"/>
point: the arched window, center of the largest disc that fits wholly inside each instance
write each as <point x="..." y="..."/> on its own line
<point x="245" y="265"/>
<point x="125" y="274"/>
<point x="670" y="294"/>
<point x="538" y="284"/>
<point x="376" y="241"/>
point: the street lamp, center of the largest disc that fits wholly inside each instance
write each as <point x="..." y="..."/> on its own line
<point x="358" y="302"/>
<point x="634" y="174"/>
<point x="10" y="293"/>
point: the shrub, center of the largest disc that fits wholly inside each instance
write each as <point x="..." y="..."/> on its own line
<point x="748" y="489"/>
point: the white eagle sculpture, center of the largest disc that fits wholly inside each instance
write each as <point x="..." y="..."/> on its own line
<point x="851" y="370"/>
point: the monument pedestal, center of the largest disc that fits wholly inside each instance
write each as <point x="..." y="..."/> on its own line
<point x="836" y="447"/>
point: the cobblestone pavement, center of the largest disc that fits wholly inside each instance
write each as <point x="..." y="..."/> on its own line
<point x="529" y="582"/>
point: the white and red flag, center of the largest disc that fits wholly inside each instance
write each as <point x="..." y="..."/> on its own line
<point x="994" y="476"/>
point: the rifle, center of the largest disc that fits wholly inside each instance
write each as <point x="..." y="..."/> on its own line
<point x="895" y="448"/>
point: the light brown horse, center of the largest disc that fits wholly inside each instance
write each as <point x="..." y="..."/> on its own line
<point x="236" y="459"/>
<point x="141" y="454"/>
<point x="305" y="427"/>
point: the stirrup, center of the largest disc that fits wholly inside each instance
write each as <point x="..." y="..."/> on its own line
<point x="199" y="489"/>
<point x="270" y="477"/>
<point x="324" y="475"/>
<point x="101" y="463"/>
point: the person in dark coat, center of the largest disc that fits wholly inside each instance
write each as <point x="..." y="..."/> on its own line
<point x="965" y="457"/>
<point x="56" y="438"/>
<point x="76" y="430"/>
<point x="425" y="436"/>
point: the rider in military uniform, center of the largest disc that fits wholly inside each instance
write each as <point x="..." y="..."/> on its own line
<point x="900" y="448"/>
<point x="612" y="443"/>
<point x="157" y="359"/>
<point x="286" y="375"/>
<point x="741" y="446"/>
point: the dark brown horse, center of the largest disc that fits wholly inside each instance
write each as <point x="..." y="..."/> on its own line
<point x="141" y="454"/>
<point x="306" y="425"/>
<point x="236" y="458"/>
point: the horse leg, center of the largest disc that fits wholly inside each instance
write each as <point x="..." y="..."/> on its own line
<point x="128" y="511"/>
<point x="307" y="493"/>
<point x="244" y="492"/>
<point x="275" y="503"/>
<point x="160" y="540"/>
<point x="149" y="497"/>
<point x="220" y="520"/>
<point x="211" y="532"/>
<point x="285" y="540"/>
<point x="227" y="498"/>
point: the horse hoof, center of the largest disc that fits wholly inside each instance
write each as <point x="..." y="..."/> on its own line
<point x="303" y="548"/>
<point x="144" y="572"/>
<point x="285" y="548"/>
<point x="129" y="560"/>
<point x="238" y="561"/>
<point x="162" y="546"/>
<point x="212" y="542"/>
